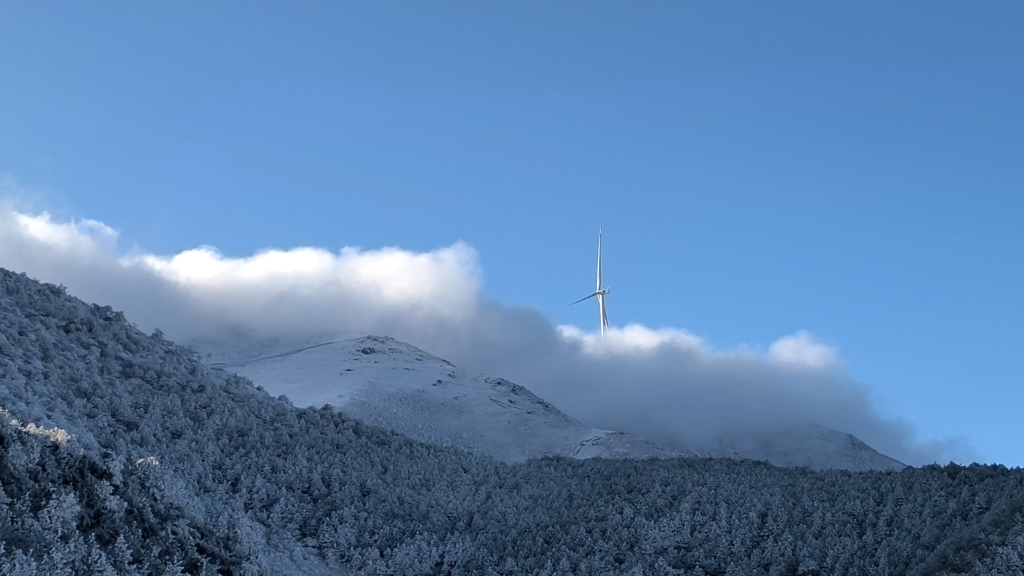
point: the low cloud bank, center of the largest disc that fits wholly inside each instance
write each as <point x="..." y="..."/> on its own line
<point x="666" y="385"/>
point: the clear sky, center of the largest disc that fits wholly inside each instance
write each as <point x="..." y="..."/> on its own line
<point x="856" y="171"/>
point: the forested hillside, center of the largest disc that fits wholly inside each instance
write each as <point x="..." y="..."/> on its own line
<point x="122" y="453"/>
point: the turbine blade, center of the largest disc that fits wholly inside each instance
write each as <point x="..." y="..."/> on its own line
<point x="600" y="232"/>
<point x="587" y="298"/>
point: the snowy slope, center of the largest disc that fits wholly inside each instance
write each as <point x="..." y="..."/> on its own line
<point x="399" y="387"/>
<point x="816" y="447"/>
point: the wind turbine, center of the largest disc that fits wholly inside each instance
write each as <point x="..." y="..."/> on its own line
<point x="600" y="293"/>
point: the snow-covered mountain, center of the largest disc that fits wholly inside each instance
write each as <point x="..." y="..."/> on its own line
<point x="122" y="453"/>
<point x="399" y="387"/>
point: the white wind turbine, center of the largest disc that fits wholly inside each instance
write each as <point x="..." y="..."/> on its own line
<point x="601" y="292"/>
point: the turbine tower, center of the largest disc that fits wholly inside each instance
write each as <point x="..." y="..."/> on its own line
<point x="600" y="293"/>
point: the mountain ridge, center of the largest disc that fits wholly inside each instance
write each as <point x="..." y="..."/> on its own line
<point x="381" y="380"/>
<point x="397" y="386"/>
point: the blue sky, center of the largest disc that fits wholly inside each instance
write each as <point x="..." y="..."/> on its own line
<point x="854" y="171"/>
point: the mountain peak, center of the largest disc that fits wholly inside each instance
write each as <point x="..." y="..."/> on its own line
<point x="392" y="384"/>
<point x="398" y="386"/>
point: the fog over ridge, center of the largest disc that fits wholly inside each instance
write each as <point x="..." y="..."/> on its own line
<point x="666" y="385"/>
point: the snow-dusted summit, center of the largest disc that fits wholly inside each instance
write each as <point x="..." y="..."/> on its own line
<point x="399" y="387"/>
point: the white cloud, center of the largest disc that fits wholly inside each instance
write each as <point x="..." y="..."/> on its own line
<point x="665" y="384"/>
<point x="83" y="237"/>
<point x="274" y="290"/>
<point x="803" y="349"/>
<point x="442" y="284"/>
<point x="631" y="339"/>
